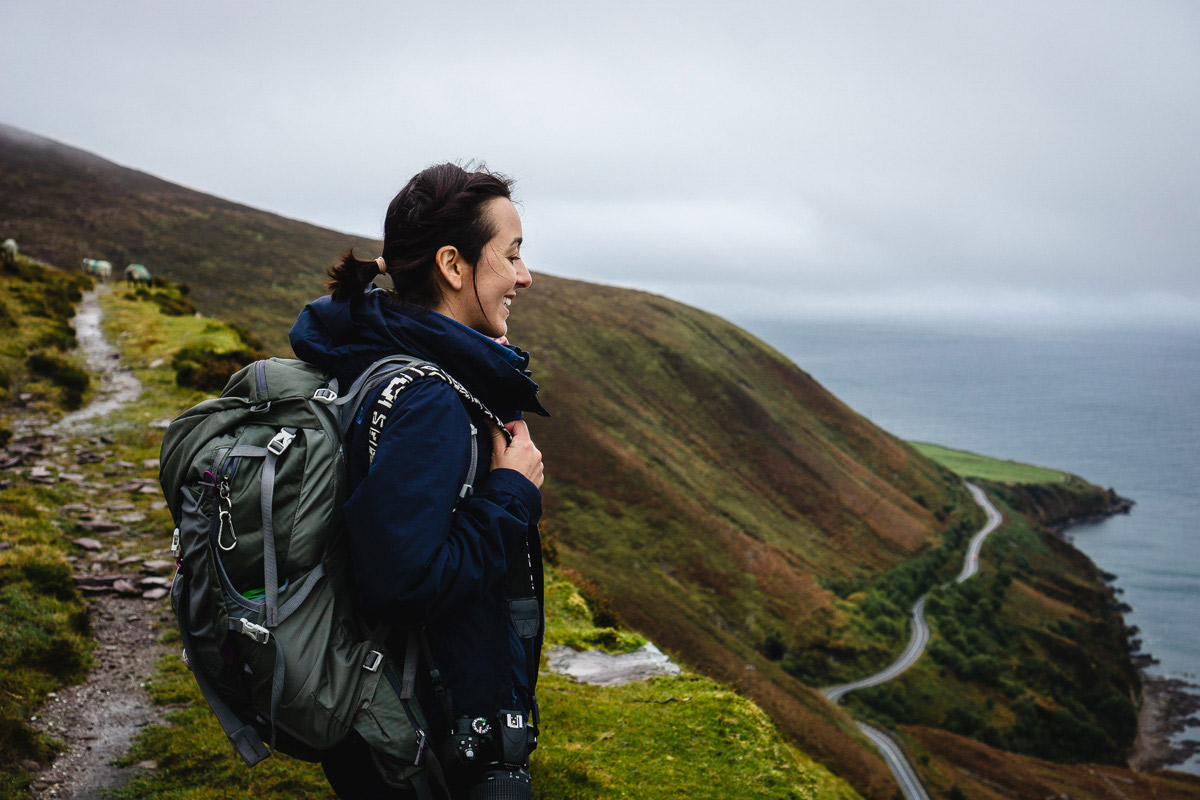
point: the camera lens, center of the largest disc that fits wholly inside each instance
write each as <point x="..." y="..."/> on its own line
<point x="503" y="784"/>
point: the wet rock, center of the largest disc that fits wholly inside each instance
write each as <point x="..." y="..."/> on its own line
<point x="89" y="457"/>
<point x="31" y="766"/>
<point x="154" y="580"/>
<point x="131" y="517"/>
<point x="73" y="477"/>
<point x="150" y="463"/>
<point x="157" y="566"/>
<point x="605" y="669"/>
<point x="99" y="526"/>
<point x="130" y="560"/>
<point x="161" y="424"/>
<point x="156" y="593"/>
<point x="123" y="464"/>
<point x="88" y="544"/>
<point x="5" y="545"/>
<point x="121" y="506"/>
<point x="125" y="587"/>
<point x="137" y="485"/>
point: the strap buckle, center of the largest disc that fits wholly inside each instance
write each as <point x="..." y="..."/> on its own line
<point x="280" y="442"/>
<point x="256" y="632"/>
<point x="325" y="395"/>
<point x="374" y="661"/>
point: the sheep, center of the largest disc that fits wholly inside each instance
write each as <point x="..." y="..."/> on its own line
<point x="136" y="273"/>
<point x="8" y="251"/>
<point x="97" y="269"/>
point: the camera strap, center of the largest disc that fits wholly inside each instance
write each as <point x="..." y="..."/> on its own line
<point x="523" y="585"/>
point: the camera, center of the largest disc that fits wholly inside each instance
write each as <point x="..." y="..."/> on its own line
<point x="495" y="753"/>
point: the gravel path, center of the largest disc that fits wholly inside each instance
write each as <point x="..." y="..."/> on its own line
<point x="98" y="718"/>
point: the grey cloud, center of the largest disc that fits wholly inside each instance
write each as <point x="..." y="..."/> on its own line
<point x="1005" y="154"/>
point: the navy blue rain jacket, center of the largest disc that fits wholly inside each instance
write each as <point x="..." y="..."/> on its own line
<point x="419" y="560"/>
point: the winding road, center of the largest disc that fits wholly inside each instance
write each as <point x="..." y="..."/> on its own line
<point x="906" y="776"/>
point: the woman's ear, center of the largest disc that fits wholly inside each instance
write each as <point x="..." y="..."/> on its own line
<point x="451" y="266"/>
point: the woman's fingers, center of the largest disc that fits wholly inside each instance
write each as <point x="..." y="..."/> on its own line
<point x="520" y="454"/>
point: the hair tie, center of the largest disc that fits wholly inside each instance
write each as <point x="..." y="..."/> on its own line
<point x="382" y="265"/>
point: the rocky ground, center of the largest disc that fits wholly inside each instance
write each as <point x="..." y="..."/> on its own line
<point x="1169" y="705"/>
<point x="125" y="576"/>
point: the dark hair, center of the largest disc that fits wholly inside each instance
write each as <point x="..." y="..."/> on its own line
<point x="442" y="205"/>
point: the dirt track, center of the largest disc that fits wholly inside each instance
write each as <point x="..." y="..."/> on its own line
<point x="98" y="718"/>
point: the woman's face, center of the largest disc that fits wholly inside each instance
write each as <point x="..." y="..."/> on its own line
<point x="499" y="273"/>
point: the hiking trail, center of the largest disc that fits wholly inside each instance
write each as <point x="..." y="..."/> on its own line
<point x="97" y="719"/>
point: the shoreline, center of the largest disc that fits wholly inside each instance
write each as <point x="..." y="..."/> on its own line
<point x="1167" y="706"/>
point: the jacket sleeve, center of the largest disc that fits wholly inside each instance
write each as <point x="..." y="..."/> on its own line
<point x="415" y="556"/>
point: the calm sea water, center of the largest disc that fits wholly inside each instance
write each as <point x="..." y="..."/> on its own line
<point x="1120" y="408"/>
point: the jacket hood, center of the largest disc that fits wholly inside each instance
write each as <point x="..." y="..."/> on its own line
<point x="344" y="338"/>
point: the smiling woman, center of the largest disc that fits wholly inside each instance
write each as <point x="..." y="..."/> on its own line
<point x="448" y="560"/>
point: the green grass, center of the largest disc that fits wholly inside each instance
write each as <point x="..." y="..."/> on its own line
<point x="683" y="736"/>
<point x="973" y="465"/>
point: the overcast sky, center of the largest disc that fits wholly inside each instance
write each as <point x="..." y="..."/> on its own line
<point x="1013" y="160"/>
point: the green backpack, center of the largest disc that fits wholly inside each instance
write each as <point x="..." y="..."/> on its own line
<point x="255" y="481"/>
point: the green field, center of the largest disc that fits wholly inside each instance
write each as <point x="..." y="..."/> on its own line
<point x="973" y="465"/>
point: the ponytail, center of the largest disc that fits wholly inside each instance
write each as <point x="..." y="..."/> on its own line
<point x="441" y="205"/>
<point x="350" y="277"/>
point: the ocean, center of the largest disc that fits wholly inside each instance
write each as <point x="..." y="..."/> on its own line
<point x="1120" y="408"/>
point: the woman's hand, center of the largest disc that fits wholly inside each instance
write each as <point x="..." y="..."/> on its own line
<point x="522" y="455"/>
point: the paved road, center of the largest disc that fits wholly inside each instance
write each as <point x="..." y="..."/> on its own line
<point x="906" y="776"/>
<point x="888" y="747"/>
<point x="916" y="646"/>
<point x="971" y="562"/>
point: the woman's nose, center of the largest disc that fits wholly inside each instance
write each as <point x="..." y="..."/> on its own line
<point x="524" y="278"/>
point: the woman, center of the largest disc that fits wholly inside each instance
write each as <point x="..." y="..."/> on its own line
<point x="423" y="554"/>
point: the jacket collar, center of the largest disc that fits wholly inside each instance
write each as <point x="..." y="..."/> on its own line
<point x="344" y="338"/>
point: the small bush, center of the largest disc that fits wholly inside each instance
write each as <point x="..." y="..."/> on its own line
<point x="252" y="340"/>
<point x="603" y="614"/>
<point x="59" y="336"/>
<point x="70" y="378"/>
<point x="200" y="367"/>
<point x="173" y="305"/>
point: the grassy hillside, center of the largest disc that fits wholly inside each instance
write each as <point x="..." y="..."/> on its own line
<point x="722" y="502"/>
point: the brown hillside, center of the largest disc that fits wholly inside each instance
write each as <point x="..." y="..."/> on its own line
<point x="244" y="265"/>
